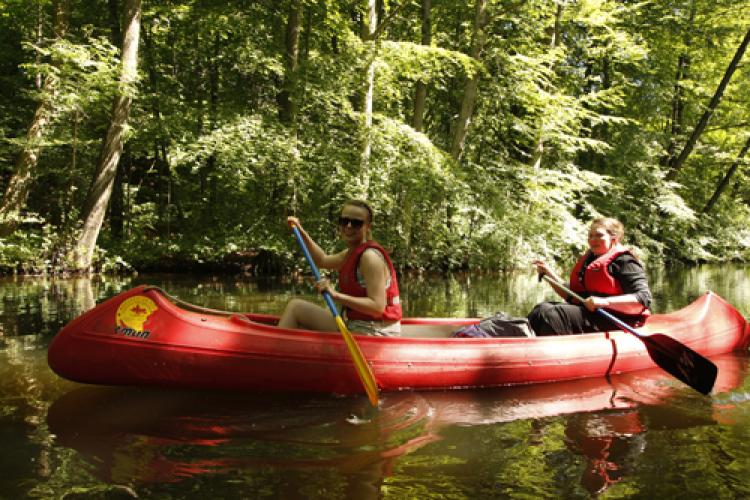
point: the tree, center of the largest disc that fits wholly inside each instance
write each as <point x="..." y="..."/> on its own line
<point x="100" y="191"/>
<point x="678" y="99"/>
<point x="20" y="183"/>
<point x="675" y="167"/>
<point x="288" y="95"/>
<point x="727" y="177"/>
<point x="369" y="29"/>
<point x="494" y="127"/>
<point x="420" y="94"/>
<point x="471" y="87"/>
<point x="538" y="153"/>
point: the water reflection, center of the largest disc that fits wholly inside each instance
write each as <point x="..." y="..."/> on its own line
<point x="44" y="305"/>
<point x="633" y="434"/>
<point x="610" y="444"/>
<point x="151" y="436"/>
<point x="612" y="441"/>
<point x="41" y="306"/>
<point x="135" y="436"/>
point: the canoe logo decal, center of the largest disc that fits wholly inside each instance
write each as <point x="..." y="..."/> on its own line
<point x="132" y="316"/>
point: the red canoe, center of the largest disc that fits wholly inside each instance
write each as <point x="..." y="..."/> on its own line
<point x="141" y="337"/>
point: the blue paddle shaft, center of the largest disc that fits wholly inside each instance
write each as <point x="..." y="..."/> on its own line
<point x="614" y="319"/>
<point x="316" y="273"/>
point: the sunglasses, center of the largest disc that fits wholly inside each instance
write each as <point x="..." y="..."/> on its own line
<point x="355" y="223"/>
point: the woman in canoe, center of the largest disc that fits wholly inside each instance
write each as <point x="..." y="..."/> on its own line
<point x="608" y="276"/>
<point x="368" y="288"/>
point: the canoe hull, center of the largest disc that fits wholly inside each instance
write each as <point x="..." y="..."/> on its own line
<point x="141" y="338"/>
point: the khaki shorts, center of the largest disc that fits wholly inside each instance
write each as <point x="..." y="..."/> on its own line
<point x="375" y="328"/>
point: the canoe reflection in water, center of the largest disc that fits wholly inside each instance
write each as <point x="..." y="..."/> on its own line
<point x="136" y="436"/>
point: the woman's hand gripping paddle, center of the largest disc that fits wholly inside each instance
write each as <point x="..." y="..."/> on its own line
<point x="672" y="356"/>
<point x="360" y="363"/>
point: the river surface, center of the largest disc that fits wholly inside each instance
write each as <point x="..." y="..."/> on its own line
<point x="639" y="435"/>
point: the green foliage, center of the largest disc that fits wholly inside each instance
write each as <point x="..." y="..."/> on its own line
<point x="661" y="220"/>
<point x="30" y="250"/>
<point x="398" y="65"/>
<point x="722" y="237"/>
<point x="210" y="171"/>
<point x="416" y="188"/>
<point x="554" y="219"/>
<point x="84" y="73"/>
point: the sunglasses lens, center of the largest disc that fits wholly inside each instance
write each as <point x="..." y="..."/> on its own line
<point x="355" y="223"/>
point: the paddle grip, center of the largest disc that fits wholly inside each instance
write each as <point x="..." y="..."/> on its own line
<point x="316" y="273"/>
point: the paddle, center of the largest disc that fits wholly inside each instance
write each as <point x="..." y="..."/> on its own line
<point x="360" y="363"/>
<point x="672" y="356"/>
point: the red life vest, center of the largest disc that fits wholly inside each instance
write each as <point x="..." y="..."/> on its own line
<point x="595" y="279"/>
<point x="349" y="285"/>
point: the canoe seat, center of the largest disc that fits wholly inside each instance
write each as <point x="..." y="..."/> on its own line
<point x="428" y="331"/>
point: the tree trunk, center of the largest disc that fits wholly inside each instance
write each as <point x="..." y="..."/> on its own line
<point x="472" y="85"/>
<point x="288" y="96"/>
<point x="538" y="154"/>
<point x="68" y="194"/>
<point x="288" y="99"/>
<point x="371" y="31"/>
<point x="700" y="127"/>
<point x="39" y="39"/>
<point x="213" y="119"/>
<point x="678" y="105"/>
<point x="164" y="180"/>
<point x="209" y="70"/>
<point x="368" y="34"/>
<point x="19" y="185"/>
<point x="116" y="217"/>
<point x="420" y="94"/>
<point x="101" y="189"/>
<point x="728" y="177"/>
<point x="588" y="159"/>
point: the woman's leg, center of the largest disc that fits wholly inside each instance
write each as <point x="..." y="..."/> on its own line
<point x="559" y="318"/>
<point x="303" y="314"/>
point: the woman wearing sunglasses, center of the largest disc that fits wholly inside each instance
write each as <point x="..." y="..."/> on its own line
<point x="368" y="288"/>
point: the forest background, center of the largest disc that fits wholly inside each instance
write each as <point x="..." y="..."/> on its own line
<point x="175" y="134"/>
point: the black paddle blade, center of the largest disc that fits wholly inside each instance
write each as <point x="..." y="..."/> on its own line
<point x="681" y="361"/>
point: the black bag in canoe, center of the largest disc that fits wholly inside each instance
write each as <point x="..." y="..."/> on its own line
<point x="499" y="325"/>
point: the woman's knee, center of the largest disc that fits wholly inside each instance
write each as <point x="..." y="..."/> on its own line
<point x="542" y="318"/>
<point x="292" y="313"/>
<point x="540" y="312"/>
<point x="300" y="313"/>
<point x="294" y="305"/>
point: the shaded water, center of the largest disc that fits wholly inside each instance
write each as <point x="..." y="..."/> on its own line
<point x="639" y="435"/>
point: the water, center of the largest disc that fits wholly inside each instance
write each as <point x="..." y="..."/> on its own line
<point x="638" y="435"/>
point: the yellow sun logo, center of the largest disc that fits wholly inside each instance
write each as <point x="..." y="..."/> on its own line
<point x="134" y="312"/>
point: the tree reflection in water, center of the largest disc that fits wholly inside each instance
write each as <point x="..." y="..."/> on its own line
<point x="138" y="436"/>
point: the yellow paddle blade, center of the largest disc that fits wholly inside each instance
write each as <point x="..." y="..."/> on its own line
<point x="363" y="369"/>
